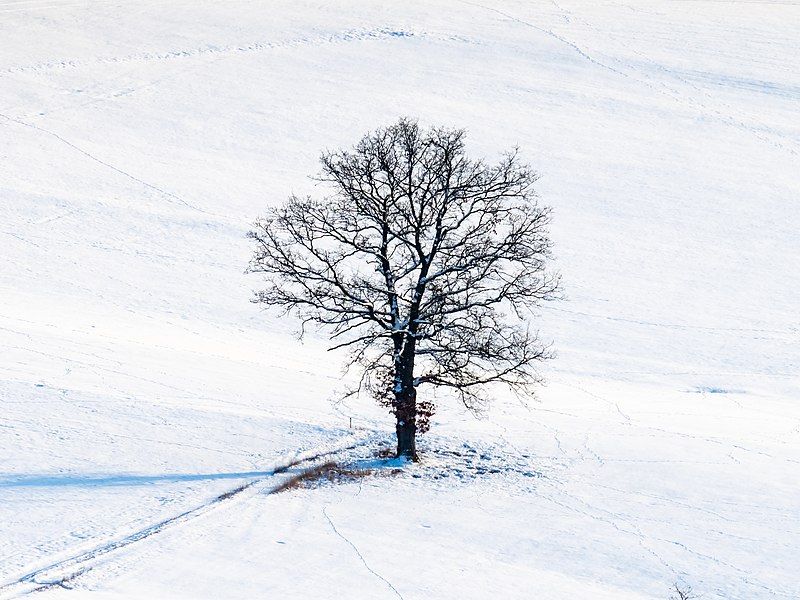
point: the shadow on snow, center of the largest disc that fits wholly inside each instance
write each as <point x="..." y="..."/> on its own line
<point x="84" y="480"/>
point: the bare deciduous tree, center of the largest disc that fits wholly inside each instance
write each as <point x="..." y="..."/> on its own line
<point x="422" y="262"/>
<point x="682" y="591"/>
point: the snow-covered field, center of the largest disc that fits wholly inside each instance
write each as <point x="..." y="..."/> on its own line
<point x="138" y="386"/>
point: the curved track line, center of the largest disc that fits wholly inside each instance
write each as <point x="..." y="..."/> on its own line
<point x="58" y="573"/>
<point x="169" y="195"/>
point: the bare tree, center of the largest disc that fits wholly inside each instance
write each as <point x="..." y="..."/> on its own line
<point x="423" y="263"/>
<point x="682" y="591"/>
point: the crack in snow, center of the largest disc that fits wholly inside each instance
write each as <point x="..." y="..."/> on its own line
<point x="356" y="550"/>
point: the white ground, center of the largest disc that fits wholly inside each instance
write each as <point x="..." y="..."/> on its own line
<point x="139" y="140"/>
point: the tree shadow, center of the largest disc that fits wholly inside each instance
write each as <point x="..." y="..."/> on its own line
<point x="108" y="480"/>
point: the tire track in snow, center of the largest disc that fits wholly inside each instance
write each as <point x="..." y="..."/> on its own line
<point x="63" y="571"/>
<point x="347" y="35"/>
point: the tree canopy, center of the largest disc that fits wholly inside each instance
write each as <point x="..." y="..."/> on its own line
<point x="422" y="262"/>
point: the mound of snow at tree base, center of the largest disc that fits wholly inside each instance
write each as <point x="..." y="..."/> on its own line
<point x="137" y="382"/>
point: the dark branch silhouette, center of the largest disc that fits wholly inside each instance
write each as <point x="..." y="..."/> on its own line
<point x="423" y="263"/>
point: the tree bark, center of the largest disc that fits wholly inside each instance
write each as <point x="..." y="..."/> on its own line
<point x="405" y="403"/>
<point x="405" y="397"/>
<point x="407" y="424"/>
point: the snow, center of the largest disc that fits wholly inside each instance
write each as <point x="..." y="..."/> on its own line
<point x="140" y="140"/>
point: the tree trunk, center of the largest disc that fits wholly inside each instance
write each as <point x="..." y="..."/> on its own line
<point x="405" y="398"/>
<point x="407" y="439"/>
<point x="406" y="411"/>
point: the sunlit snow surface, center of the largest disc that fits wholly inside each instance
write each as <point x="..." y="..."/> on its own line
<point x="139" y="140"/>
